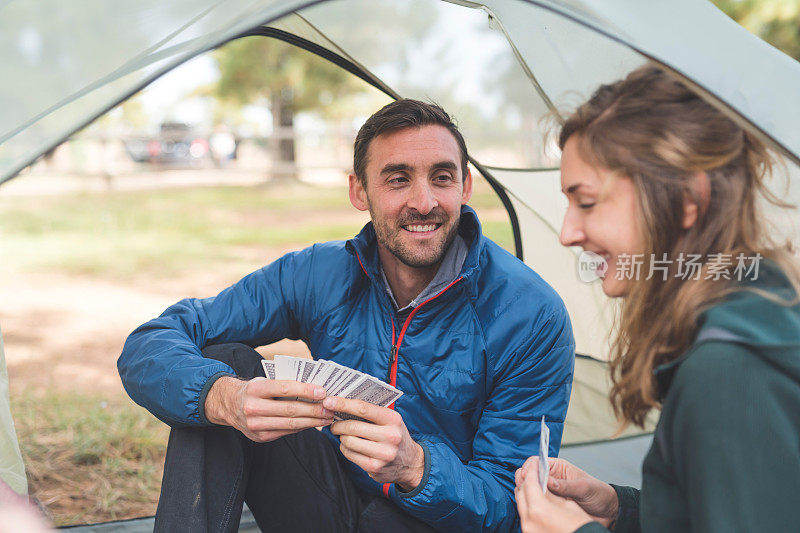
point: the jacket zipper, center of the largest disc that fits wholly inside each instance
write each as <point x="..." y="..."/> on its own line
<point x="394" y="353"/>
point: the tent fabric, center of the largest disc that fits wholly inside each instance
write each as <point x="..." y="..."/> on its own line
<point x="69" y="79"/>
<point x="540" y="208"/>
<point x="12" y="469"/>
<point x="617" y="461"/>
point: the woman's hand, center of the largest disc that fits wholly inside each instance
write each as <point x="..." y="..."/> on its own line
<point x="591" y="499"/>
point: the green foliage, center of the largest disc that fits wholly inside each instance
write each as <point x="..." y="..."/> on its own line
<point x="253" y="69"/>
<point x="775" y="21"/>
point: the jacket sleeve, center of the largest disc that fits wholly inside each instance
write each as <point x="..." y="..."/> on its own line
<point x="529" y="380"/>
<point x="730" y="436"/>
<point x="161" y="364"/>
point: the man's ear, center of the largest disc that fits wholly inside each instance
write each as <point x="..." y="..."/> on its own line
<point x="466" y="193"/>
<point x="358" y="195"/>
<point x="695" y="199"/>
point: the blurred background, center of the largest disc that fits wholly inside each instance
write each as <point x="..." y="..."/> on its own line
<point x="216" y="169"/>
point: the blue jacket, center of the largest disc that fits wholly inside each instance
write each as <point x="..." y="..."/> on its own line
<point x="479" y="364"/>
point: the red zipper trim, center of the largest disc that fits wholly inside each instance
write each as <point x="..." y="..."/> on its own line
<point x="393" y="371"/>
<point x="396" y="350"/>
<point x="396" y="346"/>
<point x="362" y="265"/>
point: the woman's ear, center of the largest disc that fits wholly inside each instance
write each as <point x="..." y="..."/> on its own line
<point x="695" y="199"/>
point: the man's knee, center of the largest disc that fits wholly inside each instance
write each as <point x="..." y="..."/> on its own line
<point x="244" y="360"/>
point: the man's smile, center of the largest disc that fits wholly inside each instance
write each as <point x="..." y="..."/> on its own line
<point x="421" y="228"/>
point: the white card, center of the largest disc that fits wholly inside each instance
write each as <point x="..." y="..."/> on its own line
<point x="285" y="367"/>
<point x="544" y="447"/>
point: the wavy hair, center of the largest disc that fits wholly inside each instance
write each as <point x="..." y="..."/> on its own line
<point x="652" y="129"/>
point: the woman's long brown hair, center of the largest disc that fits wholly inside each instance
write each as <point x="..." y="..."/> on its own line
<point x="651" y="128"/>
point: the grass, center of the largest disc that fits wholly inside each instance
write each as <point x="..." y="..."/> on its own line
<point x="118" y="236"/>
<point x="89" y="458"/>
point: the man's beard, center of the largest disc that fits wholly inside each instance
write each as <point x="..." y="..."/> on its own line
<point x="416" y="256"/>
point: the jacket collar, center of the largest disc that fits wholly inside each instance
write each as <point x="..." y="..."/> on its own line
<point x="365" y="246"/>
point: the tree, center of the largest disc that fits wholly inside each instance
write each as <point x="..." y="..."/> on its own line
<point x="775" y="21"/>
<point x="256" y="70"/>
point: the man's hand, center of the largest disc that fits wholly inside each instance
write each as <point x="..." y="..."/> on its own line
<point x="253" y="407"/>
<point x="382" y="447"/>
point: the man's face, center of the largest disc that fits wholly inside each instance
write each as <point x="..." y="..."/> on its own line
<point x="414" y="192"/>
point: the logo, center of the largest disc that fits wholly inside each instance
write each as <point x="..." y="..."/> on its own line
<point x="591" y="266"/>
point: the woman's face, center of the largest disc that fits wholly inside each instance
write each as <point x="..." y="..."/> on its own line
<point x="601" y="216"/>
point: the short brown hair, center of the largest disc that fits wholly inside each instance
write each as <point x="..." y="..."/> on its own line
<point x="399" y="115"/>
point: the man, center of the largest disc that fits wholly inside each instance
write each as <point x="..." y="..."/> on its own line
<point x="478" y="343"/>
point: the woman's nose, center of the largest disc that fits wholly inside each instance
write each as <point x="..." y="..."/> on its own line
<point x="572" y="233"/>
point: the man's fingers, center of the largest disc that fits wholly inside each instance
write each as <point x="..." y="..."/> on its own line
<point x="365" y="430"/>
<point x="257" y="407"/>
<point x="284" y="424"/>
<point x="362" y="409"/>
<point x="369" y="464"/>
<point x="368" y="448"/>
<point x="276" y="388"/>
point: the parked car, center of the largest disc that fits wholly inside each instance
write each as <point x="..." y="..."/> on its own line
<point x="177" y="145"/>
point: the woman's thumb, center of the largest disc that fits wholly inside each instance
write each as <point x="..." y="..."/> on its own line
<point x="567" y="488"/>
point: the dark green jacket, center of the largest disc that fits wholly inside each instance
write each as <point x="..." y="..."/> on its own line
<point x="726" y="451"/>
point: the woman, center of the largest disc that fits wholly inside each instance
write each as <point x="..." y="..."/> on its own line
<point x="709" y="326"/>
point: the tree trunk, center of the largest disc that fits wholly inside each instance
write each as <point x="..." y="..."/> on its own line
<point x="284" y="167"/>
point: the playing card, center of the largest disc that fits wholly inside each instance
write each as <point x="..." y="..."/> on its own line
<point x="323" y="372"/>
<point x="305" y="368"/>
<point x="349" y="380"/>
<point x="380" y="393"/>
<point x="320" y="365"/>
<point x="368" y="389"/>
<point x="333" y="375"/>
<point x="285" y="367"/>
<point x="269" y="368"/>
<point x="544" y="446"/>
<point x="337" y="380"/>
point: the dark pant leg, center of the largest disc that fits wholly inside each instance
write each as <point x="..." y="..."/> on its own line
<point x="383" y="516"/>
<point x="295" y="483"/>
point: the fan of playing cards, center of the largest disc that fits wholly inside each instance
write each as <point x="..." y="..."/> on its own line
<point x="337" y="380"/>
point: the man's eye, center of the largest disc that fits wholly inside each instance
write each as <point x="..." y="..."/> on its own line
<point x="443" y="177"/>
<point x="396" y="180"/>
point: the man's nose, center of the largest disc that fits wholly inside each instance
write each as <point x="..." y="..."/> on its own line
<point x="572" y="233"/>
<point x="422" y="198"/>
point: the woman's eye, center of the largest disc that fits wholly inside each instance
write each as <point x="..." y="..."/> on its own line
<point x="586" y="205"/>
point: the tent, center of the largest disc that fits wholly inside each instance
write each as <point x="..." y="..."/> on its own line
<point x="499" y="66"/>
